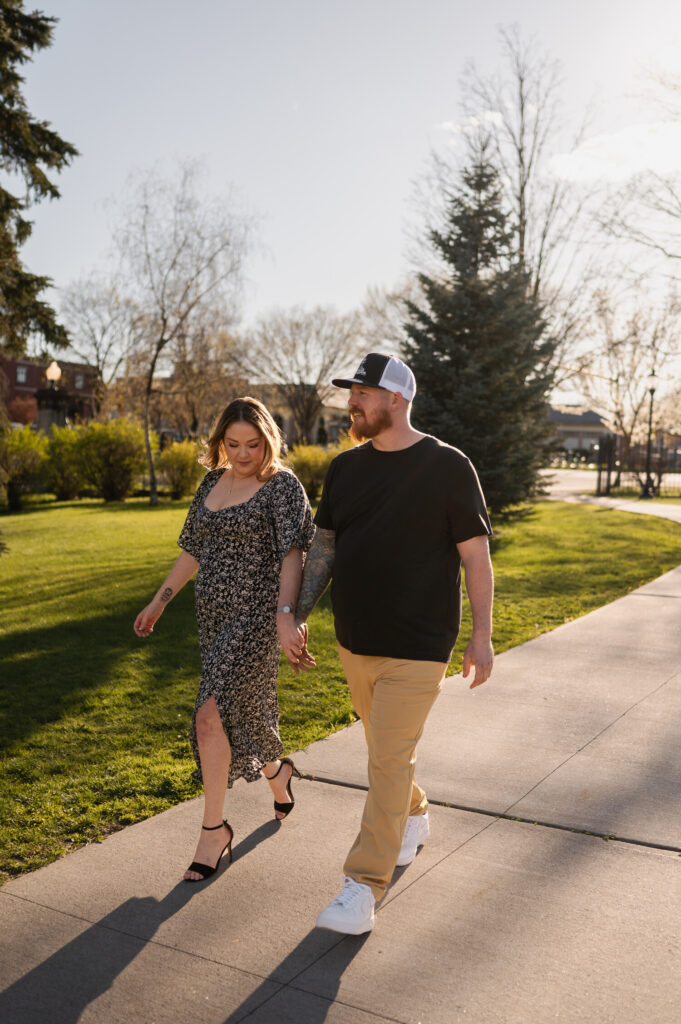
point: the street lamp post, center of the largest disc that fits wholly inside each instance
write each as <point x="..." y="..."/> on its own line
<point x="52" y="401"/>
<point x="648" y="489"/>
<point x="53" y="374"/>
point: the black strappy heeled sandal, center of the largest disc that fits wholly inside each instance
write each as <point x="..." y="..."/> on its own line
<point x="205" y="869"/>
<point x="284" y="809"/>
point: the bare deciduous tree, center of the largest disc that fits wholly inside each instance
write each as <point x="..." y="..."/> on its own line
<point x="299" y="351"/>
<point x="384" y="313"/>
<point x="203" y="377"/>
<point x="625" y="349"/>
<point x="521" y="112"/>
<point x="646" y="209"/>
<point x="200" y="382"/>
<point x="668" y="411"/>
<point x="517" y="114"/>
<point x="182" y="262"/>
<point x="101" y="325"/>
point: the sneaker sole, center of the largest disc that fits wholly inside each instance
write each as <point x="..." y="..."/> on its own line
<point x="405" y="861"/>
<point x="402" y="862"/>
<point x="346" y="930"/>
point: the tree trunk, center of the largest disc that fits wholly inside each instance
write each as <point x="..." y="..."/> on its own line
<point x="307" y="415"/>
<point x="153" y="491"/>
<point x="14" y="496"/>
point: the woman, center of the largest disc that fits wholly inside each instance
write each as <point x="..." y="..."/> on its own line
<point x="245" y="532"/>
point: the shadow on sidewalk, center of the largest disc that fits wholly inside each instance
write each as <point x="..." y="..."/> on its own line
<point x="292" y="1004"/>
<point x="58" y="990"/>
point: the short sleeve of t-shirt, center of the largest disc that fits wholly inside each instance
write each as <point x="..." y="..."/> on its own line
<point x="324" y="518"/>
<point x="466" y="510"/>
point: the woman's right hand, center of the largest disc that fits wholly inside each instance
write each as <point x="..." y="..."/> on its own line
<point x="147" y="618"/>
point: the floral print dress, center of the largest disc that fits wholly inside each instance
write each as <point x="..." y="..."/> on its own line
<point x="240" y="551"/>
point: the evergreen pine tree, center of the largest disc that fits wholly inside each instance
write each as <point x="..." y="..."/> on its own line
<point x="28" y="149"/>
<point x="478" y="345"/>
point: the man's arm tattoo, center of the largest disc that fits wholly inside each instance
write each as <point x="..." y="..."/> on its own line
<point x="166" y="594"/>
<point x="317" y="571"/>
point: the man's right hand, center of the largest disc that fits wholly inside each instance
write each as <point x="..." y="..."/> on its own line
<point x="480" y="655"/>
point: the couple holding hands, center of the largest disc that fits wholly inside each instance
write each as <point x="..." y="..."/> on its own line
<point x="398" y="517"/>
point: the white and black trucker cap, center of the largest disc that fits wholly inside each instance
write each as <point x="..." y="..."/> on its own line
<point x="379" y="371"/>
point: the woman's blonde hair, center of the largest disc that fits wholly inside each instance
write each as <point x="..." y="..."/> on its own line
<point x="244" y="410"/>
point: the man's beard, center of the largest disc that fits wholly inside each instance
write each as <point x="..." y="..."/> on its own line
<point x="362" y="429"/>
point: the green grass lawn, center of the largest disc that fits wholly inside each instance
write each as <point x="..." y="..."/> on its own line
<point x="93" y="721"/>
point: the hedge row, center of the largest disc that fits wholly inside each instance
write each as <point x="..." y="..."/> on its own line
<point x="105" y="460"/>
<point x="101" y="459"/>
<point x="310" y="462"/>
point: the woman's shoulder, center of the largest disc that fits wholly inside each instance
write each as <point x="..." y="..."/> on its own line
<point x="286" y="482"/>
<point x="285" y="478"/>
<point x="210" y="477"/>
<point x="213" y="474"/>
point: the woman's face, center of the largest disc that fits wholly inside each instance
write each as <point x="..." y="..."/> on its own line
<point x="245" y="447"/>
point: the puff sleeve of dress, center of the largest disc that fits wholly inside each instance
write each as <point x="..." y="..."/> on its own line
<point x="190" y="539"/>
<point x="290" y="516"/>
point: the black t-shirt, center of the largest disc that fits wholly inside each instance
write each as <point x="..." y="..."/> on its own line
<point x="398" y="516"/>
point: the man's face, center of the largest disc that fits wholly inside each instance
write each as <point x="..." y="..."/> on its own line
<point x="369" y="411"/>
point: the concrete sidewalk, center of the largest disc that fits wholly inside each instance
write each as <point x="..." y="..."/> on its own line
<point x="662" y="510"/>
<point x="497" y="920"/>
<point x="578" y="485"/>
<point x="637" y="506"/>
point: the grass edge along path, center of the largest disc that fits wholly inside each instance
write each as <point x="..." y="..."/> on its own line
<point x="93" y="721"/>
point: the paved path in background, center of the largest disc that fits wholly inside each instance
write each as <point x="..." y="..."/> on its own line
<point x="570" y="481"/>
<point x="579" y="485"/>
<point x="549" y="890"/>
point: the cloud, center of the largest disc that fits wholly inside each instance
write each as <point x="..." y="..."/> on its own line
<point x="622" y="154"/>
<point x="472" y="123"/>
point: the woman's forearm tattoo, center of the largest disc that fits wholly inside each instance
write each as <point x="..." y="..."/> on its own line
<point x="166" y="594"/>
<point x="317" y="571"/>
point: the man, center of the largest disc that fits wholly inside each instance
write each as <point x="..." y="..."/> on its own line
<point x="398" y="516"/>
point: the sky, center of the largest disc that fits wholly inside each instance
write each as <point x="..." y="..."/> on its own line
<point x="318" y="116"/>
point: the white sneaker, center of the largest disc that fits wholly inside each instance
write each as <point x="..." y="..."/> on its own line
<point x="352" y="911"/>
<point x="415" y="834"/>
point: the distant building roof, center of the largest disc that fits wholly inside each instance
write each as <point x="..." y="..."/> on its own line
<point x="575" y="416"/>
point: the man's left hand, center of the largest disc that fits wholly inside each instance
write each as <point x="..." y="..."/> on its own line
<point x="306" y="660"/>
<point x="293" y="640"/>
<point x="478" y="652"/>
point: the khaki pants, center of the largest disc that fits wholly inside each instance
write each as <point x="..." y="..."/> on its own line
<point x="392" y="697"/>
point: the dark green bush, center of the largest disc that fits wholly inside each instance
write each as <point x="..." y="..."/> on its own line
<point x="180" y="467"/>
<point x="111" y="457"/>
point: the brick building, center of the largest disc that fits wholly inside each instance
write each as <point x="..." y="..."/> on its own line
<point x="23" y="380"/>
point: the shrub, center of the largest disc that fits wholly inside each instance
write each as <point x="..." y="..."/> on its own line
<point x="64" y="473"/>
<point x="23" y="409"/>
<point x="22" y="459"/>
<point x="310" y="462"/>
<point x="111" y="457"/>
<point x="180" y="467"/>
